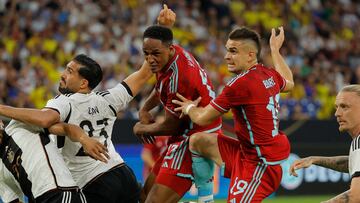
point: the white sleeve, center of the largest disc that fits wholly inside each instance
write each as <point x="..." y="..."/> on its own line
<point x="60" y="104"/>
<point x="119" y="96"/>
<point x="355" y="156"/>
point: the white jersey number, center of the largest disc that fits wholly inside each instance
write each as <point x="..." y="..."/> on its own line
<point x="86" y="125"/>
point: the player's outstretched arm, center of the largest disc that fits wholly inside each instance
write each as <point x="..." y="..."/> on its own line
<point x="138" y="79"/>
<point x="199" y="115"/>
<point x="91" y="146"/>
<point x="281" y="67"/>
<point x="43" y="118"/>
<point x="166" y="17"/>
<point x="337" y="163"/>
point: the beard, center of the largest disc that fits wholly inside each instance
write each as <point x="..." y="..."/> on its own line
<point x="65" y="90"/>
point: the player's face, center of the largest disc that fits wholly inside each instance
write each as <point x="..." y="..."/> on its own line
<point x="238" y="57"/>
<point x="156" y="54"/>
<point x="347" y="112"/>
<point x="70" y="80"/>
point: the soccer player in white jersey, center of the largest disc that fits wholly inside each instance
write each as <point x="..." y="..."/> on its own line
<point x="28" y="156"/>
<point x="95" y="112"/>
<point x="347" y="114"/>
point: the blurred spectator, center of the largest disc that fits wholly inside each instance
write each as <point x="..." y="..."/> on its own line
<point x="38" y="37"/>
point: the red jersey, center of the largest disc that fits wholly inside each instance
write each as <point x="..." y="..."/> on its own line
<point x="253" y="96"/>
<point x="158" y="147"/>
<point x="184" y="75"/>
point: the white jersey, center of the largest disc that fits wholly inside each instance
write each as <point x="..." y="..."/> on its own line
<point x="9" y="188"/>
<point x="96" y="114"/>
<point x="34" y="160"/>
<point x="354" y="158"/>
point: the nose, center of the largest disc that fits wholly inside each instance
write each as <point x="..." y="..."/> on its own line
<point x="337" y="112"/>
<point x="150" y="59"/>
<point x="227" y="56"/>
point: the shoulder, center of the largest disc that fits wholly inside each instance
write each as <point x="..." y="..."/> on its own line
<point x="239" y="79"/>
<point x="102" y="93"/>
<point x="355" y="144"/>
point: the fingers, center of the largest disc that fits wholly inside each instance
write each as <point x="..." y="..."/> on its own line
<point x="177" y="102"/>
<point x="178" y="108"/>
<point x="292" y="171"/>
<point x="281" y="28"/>
<point x="197" y="101"/>
<point x="181" y="97"/>
<point x="273" y="32"/>
<point x="98" y="152"/>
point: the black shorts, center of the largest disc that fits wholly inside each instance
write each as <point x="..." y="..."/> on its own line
<point x="118" y="185"/>
<point x="59" y="195"/>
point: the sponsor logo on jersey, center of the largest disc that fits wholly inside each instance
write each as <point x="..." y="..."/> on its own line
<point x="269" y="82"/>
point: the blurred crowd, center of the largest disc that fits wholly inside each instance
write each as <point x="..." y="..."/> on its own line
<point x="38" y="38"/>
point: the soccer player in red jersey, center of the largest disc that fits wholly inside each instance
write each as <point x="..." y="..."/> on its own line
<point x="176" y="71"/>
<point x="253" y="160"/>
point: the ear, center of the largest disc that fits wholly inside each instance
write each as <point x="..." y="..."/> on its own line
<point x="251" y="56"/>
<point x="84" y="83"/>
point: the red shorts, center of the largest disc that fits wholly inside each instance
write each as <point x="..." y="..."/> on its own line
<point x="173" y="169"/>
<point x="250" y="180"/>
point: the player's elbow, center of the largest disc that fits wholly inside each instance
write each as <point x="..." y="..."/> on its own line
<point x="47" y="122"/>
<point x="289" y="86"/>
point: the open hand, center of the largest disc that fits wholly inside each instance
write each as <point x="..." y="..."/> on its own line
<point x="276" y="41"/>
<point x="185" y="103"/>
<point x="95" y="149"/>
<point x="300" y="163"/>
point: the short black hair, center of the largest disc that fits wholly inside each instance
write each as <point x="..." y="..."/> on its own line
<point x="244" y="33"/>
<point x="159" y="32"/>
<point x="90" y="70"/>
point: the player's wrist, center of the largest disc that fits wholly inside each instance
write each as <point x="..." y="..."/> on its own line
<point x="187" y="109"/>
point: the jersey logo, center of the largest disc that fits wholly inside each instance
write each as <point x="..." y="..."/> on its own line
<point x="93" y="110"/>
<point x="269" y="83"/>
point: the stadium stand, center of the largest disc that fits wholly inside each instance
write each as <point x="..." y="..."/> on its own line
<point x="38" y="37"/>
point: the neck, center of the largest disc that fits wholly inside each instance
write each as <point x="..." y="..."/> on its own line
<point x="84" y="91"/>
<point x="251" y="65"/>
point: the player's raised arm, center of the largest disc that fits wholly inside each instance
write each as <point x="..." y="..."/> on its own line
<point x="199" y="115"/>
<point x="137" y="80"/>
<point x="280" y="65"/>
<point x="91" y="146"/>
